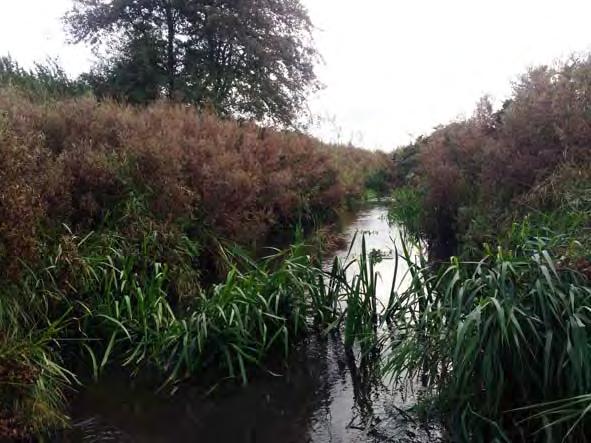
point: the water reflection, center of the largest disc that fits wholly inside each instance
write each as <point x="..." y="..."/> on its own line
<point x="328" y="394"/>
<point x="381" y="239"/>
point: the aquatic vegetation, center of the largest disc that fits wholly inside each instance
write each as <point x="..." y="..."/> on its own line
<point x="32" y="375"/>
<point x="500" y="332"/>
<point x="109" y="301"/>
<point x="406" y="209"/>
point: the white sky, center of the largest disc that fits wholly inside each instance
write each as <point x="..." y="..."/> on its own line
<point x="393" y="69"/>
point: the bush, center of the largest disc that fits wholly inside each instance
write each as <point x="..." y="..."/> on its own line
<point x="112" y="219"/>
<point x="82" y="163"/>
<point x="43" y="82"/>
<point x="501" y="332"/>
<point x="475" y="171"/>
<point x="407" y="210"/>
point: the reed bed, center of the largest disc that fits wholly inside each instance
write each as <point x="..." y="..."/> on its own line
<point x="115" y="309"/>
<point x="501" y="342"/>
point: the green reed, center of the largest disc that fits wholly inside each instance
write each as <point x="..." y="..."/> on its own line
<point x="496" y="336"/>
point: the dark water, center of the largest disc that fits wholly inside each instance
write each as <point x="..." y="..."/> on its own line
<point x="326" y="395"/>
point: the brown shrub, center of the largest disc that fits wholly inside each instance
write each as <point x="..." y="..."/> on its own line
<point x="82" y="163"/>
<point x="485" y="163"/>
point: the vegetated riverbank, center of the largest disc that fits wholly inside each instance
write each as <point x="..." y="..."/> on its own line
<point x="112" y="216"/>
<point x="502" y="331"/>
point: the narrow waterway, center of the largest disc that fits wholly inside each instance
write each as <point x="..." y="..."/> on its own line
<point x="324" y="396"/>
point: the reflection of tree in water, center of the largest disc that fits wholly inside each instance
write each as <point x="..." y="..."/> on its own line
<point x="378" y="412"/>
<point x="367" y="384"/>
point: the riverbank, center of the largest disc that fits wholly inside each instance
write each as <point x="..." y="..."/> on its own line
<point x="115" y="222"/>
<point x="503" y="201"/>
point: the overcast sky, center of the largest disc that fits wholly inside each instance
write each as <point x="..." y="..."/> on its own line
<point x="392" y="69"/>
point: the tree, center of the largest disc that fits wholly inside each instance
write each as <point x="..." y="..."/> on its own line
<point x="43" y="81"/>
<point x="246" y="58"/>
<point x="134" y="75"/>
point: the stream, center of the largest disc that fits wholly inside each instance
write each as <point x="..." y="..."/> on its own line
<point x="323" y="396"/>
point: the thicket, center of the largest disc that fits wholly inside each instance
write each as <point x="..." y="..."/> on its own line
<point x="468" y="176"/>
<point x="502" y="330"/>
<point x="82" y="164"/>
<point x="112" y="217"/>
<point x="44" y="81"/>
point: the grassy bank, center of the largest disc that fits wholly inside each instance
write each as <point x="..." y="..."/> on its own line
<point x="112" y="217"/>
<point x="502" y="330"/>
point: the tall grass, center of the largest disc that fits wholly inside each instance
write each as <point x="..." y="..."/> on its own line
<point x="107" y="301"/>
<point x="497" y="336"/>
<point x="45" y="81"/>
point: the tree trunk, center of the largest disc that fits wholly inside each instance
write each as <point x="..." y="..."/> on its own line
<point x="171" y="61"/>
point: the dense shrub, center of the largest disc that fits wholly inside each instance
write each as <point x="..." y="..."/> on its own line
<point x="475" y="170"/>
<point x="502" y="331"/>
<point x="45" y="81"/>
<point x="82" y="163"/>
<point x="358" y="170"/>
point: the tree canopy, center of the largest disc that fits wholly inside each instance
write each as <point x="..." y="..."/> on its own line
<point x="247" y="58"/>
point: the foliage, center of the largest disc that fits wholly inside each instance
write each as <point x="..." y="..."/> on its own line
<point x="495" y="337"/>
<point x="407" y="211"/>
<point x="500" y="334"/>
<point x="134" y="76"/>
<point x="378" y="182"/>
<point x="43" y="82"/>
<point x="501" y="338"/>
<point x="406" y="161"/>
<point x="111" y="224"/>
<point x="474" y="173"/>
<point x="87" y="164"/>
<point x="108" y="301"/>
<point x="129" y="316"/>
<point x="359" y="171"/>
<point x="32" y="378"/>
<point x="253" y="59"/>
